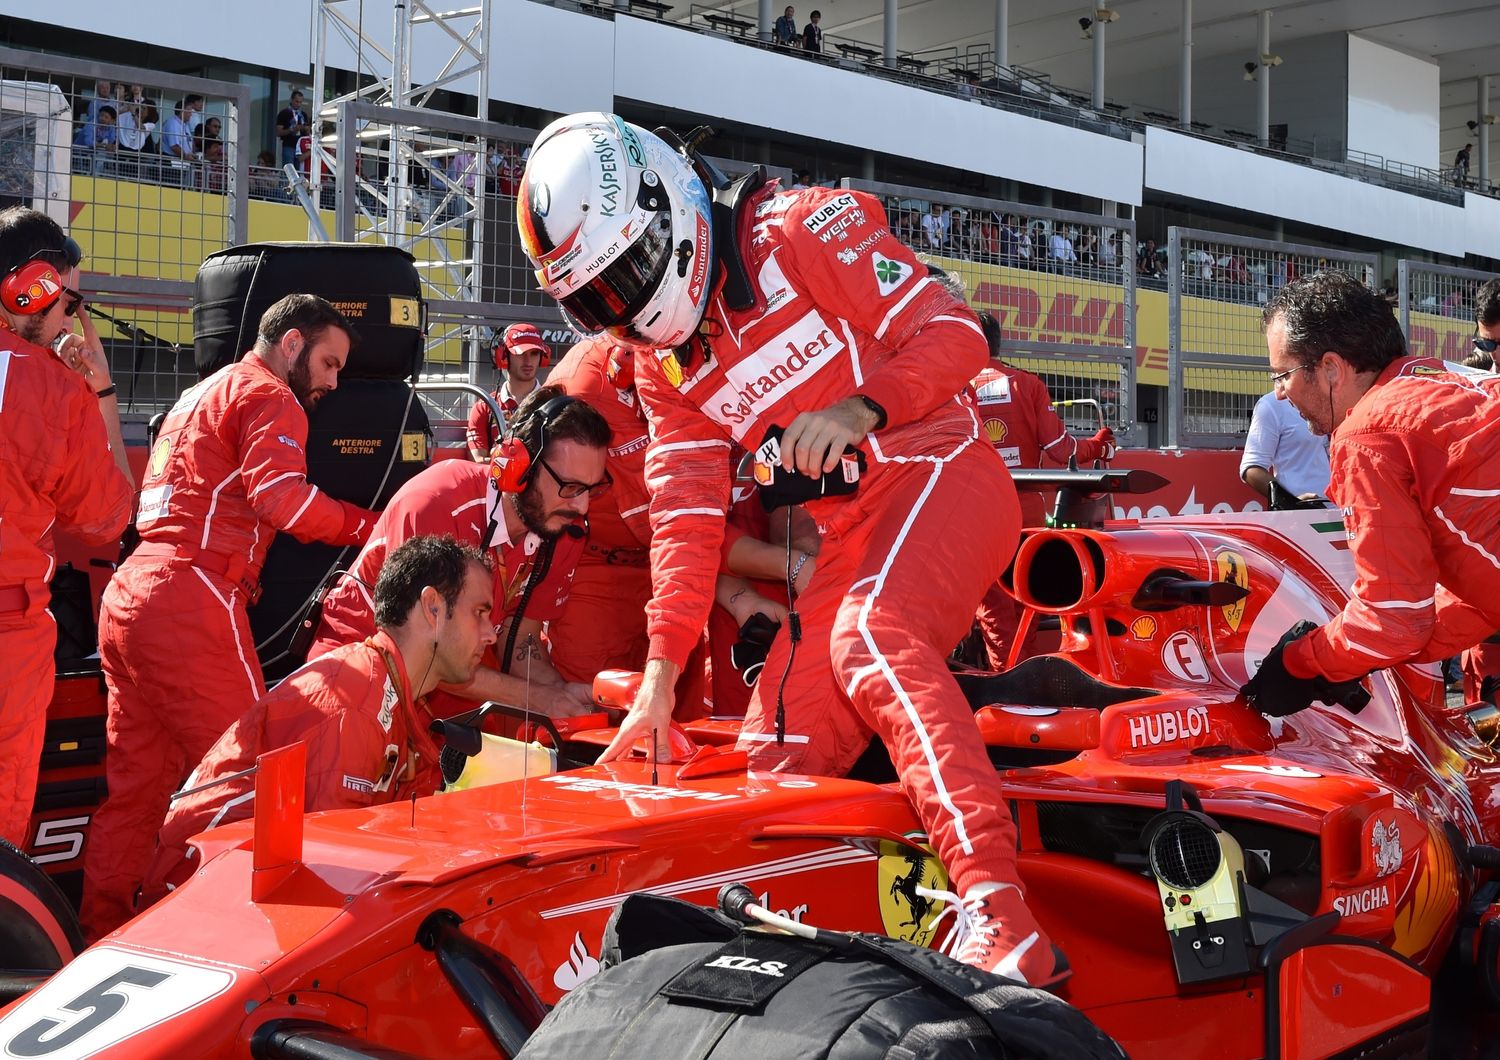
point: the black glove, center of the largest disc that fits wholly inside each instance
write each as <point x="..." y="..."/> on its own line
<point x="1276" y="693"/>
<point x="748" y="655"/>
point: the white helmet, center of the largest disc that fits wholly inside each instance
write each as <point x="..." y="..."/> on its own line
<point x="617" y="225"/>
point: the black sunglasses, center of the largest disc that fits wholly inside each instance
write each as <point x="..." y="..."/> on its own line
<point x="73" y="303"/>
<point x="567" y="489"/>
<point x="1485" y="345"/>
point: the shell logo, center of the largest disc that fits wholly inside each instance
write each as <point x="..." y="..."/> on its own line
<point x="996" y="430"/>
<point x="670" y="367"/>
<point x="1143" y="628"/>
<point x="159" y="457"/>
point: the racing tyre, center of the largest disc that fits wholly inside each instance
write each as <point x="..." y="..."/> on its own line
<point x="38" y="929"/>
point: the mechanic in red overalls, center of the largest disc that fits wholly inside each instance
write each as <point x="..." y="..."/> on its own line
<point x="1481" y="663"/>
<point x="361" y="709"/>
<point x="528" y="521"/>
<point x="811" y="317"/>
<point x="1415" y="459"/>
<point x="227" y="472"/>
<point x="1019" y="420"/>
<point x="62" y="466"/>
<point x="519" y="354"/>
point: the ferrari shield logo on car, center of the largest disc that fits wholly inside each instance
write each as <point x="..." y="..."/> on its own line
<point x="906" y="914"/>
<point x="1232" y="569"/>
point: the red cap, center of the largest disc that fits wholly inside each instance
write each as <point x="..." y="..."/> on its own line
<point x="522" y="337"/>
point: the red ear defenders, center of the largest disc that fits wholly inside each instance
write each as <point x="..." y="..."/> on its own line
<point x="513" y="460"/>
<point x="35" y="285"/>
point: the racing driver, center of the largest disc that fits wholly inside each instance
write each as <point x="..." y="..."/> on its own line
<point x="1415" y="459"/>
<point x="810" y="319"/>
<point x="533" y="537"/>
<point x="361" y="709"/>
<point x="228" y="470"/>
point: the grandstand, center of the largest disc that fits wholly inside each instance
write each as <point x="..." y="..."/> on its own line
<point x="1249" y="149"/>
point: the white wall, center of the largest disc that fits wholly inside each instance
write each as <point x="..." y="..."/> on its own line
<point x="275" y="33"/>
<point x="709" y="75"/>
<point x="1197" y="169"/>
<point x="1393" y="103"/>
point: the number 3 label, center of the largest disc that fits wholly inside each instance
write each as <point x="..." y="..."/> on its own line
<point x="101" y="999"/>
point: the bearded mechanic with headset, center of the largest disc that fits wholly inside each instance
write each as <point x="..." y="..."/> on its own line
<point x="804" y="314"/>
<point x="62" y="465"/>
<point x="519" y="354"/>
<point x="227" y="472"/>
<point x="361" y="709"/>
<point x="526" y="509"/>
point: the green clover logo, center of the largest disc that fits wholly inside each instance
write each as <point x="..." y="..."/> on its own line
<point x="888" y="271"/>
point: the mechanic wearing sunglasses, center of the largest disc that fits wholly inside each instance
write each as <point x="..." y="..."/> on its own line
<point x="62" y="462"/>
<point x="1486" y="327"/>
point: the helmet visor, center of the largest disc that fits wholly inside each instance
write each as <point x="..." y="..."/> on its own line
<point x="621" y="290"/>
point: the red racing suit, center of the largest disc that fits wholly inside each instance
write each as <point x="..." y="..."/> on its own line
<point x="1020" y="422"/>
<point x="1416" y="471"/>
<point x="841" y="307"/>
<point x="604" y="626"/>
<point x="56" y="470"/>
<point x="228" y="470"/>
<point x="483" y="432"/>
<point x="454" y="497"/>
<point x="367" y="744"/>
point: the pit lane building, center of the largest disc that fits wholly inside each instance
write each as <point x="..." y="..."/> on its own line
<point x="1249" y="146"/>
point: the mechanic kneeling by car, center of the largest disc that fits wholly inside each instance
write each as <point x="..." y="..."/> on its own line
<point x="361" y="709"/>
<point x="1415" y="458"/>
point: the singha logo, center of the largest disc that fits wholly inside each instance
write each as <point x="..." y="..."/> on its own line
<point x="1386" y="842"/>
<point x="578" y="967"/>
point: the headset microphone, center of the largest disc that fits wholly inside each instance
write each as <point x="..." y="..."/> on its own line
<point x="574" y="531"/>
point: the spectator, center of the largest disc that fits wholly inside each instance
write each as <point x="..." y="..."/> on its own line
<point x="1280" y="444"/>
<point x="177" y="135"/>
<point x="784" y="32"/>
<point x="193" y="112"/>
<point x="291" y="126"/>
<point x="1010" y="241"/>
<point x="1025" y="247"/>
<point x="1060" y="249"/>
<point x="987" y="239"/>
<point x="99" y="134"/>
<point x="265" y="181"/>
<point x="103" y="97"/>
<point x="812" y="34"/>
<point x="1461" y="165"/>
<point x="1146" y="262"/>
<point x="135" y="121"/>
<point x="1232" y="268"/>
<point x="1088" y="250"/>
<point x="803" y="179"/>
<point x="209" y="131"/>
<point x="213" y="175"/>
<point x="935" y="228"/>
<point x="959" y="242"/>
<point x="1109" y="251"/>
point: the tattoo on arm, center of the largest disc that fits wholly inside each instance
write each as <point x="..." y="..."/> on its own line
<point x="529" y="649"/>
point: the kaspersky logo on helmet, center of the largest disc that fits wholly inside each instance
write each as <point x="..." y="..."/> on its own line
<point x="609" y="180"/>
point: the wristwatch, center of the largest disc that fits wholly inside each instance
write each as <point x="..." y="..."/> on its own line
<point x="874" y="406"/>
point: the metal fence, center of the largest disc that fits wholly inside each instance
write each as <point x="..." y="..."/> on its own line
<point x="1061" y="285"/>
<point x="1436" y="306"/>
<point x="147" y="178"/>
<point x="1216" y="355"/>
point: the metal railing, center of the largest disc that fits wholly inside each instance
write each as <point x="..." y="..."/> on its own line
<point x="1065" y="305"/>
<point x="1436" y="306"/>
<point x="1216" y="354"/>
<point x="144" y="218"/>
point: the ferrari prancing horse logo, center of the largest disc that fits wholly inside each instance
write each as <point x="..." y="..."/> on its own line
<point x="1232" y="569"/>
<point x="901" y="869"/>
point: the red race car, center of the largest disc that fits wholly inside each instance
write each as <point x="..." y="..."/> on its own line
<point x="1224" y="884"/>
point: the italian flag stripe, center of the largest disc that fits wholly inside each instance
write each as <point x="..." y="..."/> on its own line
<point x="1335" y="527"/>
